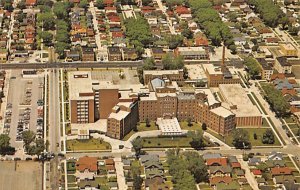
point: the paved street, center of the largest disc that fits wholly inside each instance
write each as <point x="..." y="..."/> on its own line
<point x="54" y="124"/>
<point x="161" y="7"/>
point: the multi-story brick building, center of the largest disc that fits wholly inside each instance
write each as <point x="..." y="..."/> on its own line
<point x="166" y="100"/>
<point x="219" y="75"/>
<point x="172" y="75"/>
<point x="114" y="54"/>
<point x="87" y="54"/>
<point x="122" y="120"/>
<point x="81" y="99"/>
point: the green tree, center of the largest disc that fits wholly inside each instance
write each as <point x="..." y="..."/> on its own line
<point x="255" y="136"/>
<point x="61" y="10"/>
<point x="137" y="145"/>
<point x="46" y="36"/>
<point x="138" y="32"/>
<point x="83" y="4"/>
<point x="146" y="2"/>
<point x="277" y="102"/>
<point x="21" y="5"/>
<point x="170" y="62"/>
<point x="196" y="165"/>
<point x="268" y="137"/>
<point x="100" y="4"/>
<point x="189" y="122"/>
<point x="137" y="182"/>
<point x="148" y="122"/>
<point x="28" y="137"/>
<point x="174" y="41"/>
<point x="4" y="141"/>
<point x="197" y="140"/>
<point x="204" y="126"/>
<point x="253" y="66"/>
<point x="241" y="139"/>
<point x="60" y="47"/>
<point x="186" y="32"/>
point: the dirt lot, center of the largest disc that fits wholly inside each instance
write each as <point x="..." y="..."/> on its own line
<point x="20" y="176"/>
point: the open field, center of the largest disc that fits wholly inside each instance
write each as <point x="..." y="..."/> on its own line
<point x="20" y="175"/>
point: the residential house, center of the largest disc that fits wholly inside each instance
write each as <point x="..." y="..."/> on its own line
<point x="158" y="53"/>
<point x="87" y="167"/>
<point x="3" y="55"/>
<point x="87" y="54"/>
<point x="129" y="54"/>
<point x="110" y="166"/>
<point x="281" y="179"/>
<point x="216" y="180"/>
<point x="114" y="54"/>
<point x="216" y="162"/>
<point x="279" y="171"/>
<point x="257" y="173"/>
<point x="220" y="171"/>
<point x="275" y="156"/>
<point x="72" y="55"/>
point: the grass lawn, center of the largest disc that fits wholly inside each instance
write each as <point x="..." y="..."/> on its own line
<point x="141" y="127"/>
<point x="101" y="180"/>
<point x="259" y="132"/>
<point x="195" y="126"/>
<point x="71" y="166"/>
<point x="166" y="142"/>
<point x="71" y="178"/>
<point x="288" y="119"/>
<point x="265" y="123"/>
<point x="293" y="126"/>
<point x="91" y="144"/>
<point x="72" y="185"/>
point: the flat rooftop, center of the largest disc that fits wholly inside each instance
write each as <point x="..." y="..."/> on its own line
<point x="196" y="72"/>
<point x="212" y="69"/>
<point x="168" y="125"/>
<point x="160" y="72"/>
<point x="221" y="111"/>
<point x="80" y="82"/>
<point x="210" y="97"/>
<point x="235" y="95"/>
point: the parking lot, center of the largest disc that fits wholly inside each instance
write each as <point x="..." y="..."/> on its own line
<point x="20" y="175"/>
<point x="24" y="107"/>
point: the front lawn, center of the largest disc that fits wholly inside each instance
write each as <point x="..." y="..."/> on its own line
<point x="168" y="142"/>
<point x="141" y="127"/>
<point x="91" y="144"/>
<point x="254" y="142"/>
<point x="195" y="126"/>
